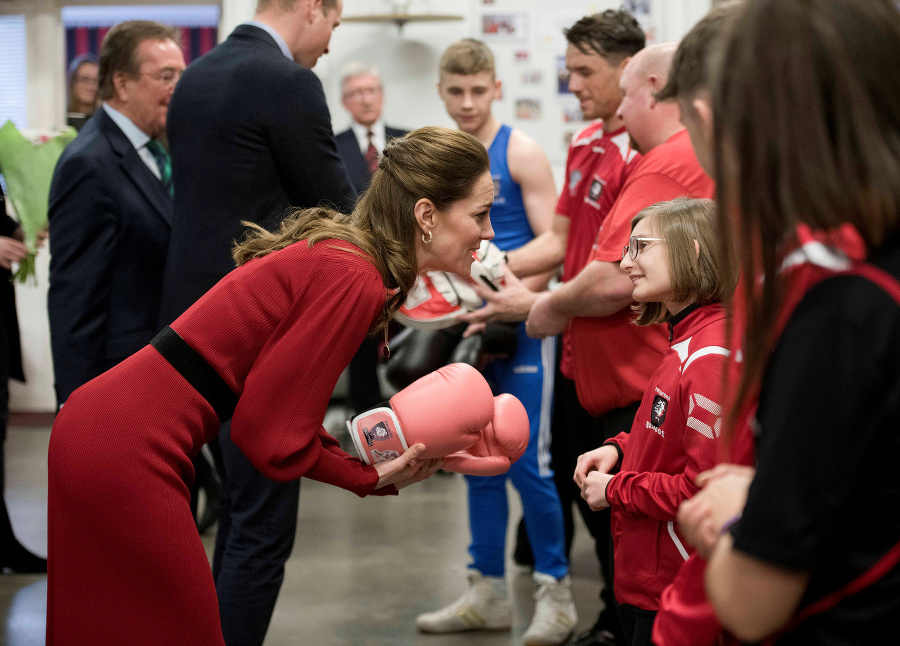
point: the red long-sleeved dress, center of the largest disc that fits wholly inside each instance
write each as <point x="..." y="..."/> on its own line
<point x="126" y="565"/>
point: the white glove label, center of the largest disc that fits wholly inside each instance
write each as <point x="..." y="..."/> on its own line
<point x="377" y="436"/>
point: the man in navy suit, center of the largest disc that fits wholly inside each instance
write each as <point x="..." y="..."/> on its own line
<point x="360" y="146"/>
<point x="110" y="210"/>
<point x="251" y="137"/>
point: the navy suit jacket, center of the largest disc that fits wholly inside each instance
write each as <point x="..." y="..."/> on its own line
<point x="348" y="149"/>
<point x="110" y="221"/>
<point x="250" y="137"/>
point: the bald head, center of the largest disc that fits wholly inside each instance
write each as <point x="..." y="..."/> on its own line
<point x="649" y="122"/>
<point x="653" y="61"/>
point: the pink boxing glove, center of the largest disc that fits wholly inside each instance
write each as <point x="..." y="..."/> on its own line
<point x="445" y="410"/>
<point x="502" y="442"/>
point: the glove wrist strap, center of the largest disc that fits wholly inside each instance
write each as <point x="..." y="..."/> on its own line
<point x="377" y="435"/>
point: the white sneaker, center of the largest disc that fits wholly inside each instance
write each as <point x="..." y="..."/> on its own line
<point x="554" y="614"/>
<point x="483" y="606"/>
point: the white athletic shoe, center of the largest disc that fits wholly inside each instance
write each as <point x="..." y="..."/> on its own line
<point x="483" y="606"/>
<point x="554" y="614"/>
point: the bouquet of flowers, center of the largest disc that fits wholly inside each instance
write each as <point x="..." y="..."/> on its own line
<point x="27" y="165"/>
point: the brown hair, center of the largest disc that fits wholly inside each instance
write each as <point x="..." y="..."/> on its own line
<point x="690" y="64"/>
<point x="73" y="74"/>
<point x="704" y="279"/>
<point x="613" y="34"/>
<point x="468" y="56"/>
<point x="436" y="163"/>
<point x="119" y="49"/>
<point x="806" y="131"/>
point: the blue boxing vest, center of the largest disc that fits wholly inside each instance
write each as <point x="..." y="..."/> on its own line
<point x="508" y="216"/>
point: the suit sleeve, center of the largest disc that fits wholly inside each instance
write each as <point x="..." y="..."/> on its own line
<point x="82" y="239"/>
<point x="303" y="146"/>
<point x="278" y="420"/>
<point x="657" y="494"/>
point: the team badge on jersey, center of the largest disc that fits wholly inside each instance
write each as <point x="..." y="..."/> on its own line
<point x="574" y="181"/>
<point x="658" y="411"/>
<point x="595" y="190"/>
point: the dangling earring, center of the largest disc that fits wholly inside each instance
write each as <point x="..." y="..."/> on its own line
<point x="430" y="237"/>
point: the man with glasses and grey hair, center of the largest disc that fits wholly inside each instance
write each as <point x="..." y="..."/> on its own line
<point x="362" y="94"/>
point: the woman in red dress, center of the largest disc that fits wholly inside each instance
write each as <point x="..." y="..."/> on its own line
<point x="265" y="347"/>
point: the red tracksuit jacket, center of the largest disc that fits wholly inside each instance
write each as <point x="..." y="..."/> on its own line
<point x="672" y="440"/>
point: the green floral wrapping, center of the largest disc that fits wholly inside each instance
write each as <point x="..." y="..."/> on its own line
<point x="27" y="167"/>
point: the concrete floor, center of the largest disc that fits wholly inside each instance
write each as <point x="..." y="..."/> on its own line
<point x="362" y="569"/>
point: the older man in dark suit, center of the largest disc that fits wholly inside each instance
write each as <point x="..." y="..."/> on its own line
<point x="359" y="147"/>
<point x="251" y="137"/>
<point x="110" y="210"/>
<point x="362" y="94"/>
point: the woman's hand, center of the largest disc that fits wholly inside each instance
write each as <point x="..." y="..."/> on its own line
<point x="407" y="469"/>
<point x="603" y="460"/>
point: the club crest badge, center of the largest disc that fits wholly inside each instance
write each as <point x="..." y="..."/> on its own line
<point x="658" y="412"/>
<point x="378" y="433"/>
<point x="595" y="190"/>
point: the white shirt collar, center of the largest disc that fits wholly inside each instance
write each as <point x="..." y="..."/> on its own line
<point x="136" y="136"/>
<point x="379" y="137"/>
<point x="275" y="36"/>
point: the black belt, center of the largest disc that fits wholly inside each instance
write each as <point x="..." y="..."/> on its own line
<point x="196" y="371"/>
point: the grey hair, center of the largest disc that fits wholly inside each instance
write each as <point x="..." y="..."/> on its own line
<point x="358" y="68"/>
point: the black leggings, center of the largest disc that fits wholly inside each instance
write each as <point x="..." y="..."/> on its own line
<point x="637" y="625"/>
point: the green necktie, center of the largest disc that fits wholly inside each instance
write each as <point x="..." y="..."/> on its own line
<point x="163" y="162"/>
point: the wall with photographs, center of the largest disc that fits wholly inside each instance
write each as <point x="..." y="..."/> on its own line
<point x="528" y="44"/>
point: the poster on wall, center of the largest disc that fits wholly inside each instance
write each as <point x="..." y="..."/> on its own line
<point x="528" y="109"/>
<point x="562" y="76"/>
<point x="503" y="27"/>
<point x="531" y="77"/>
<point x="642" y="11"/>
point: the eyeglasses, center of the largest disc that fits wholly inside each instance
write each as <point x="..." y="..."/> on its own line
<point x="361" y="93"/>
<point x="167" y="77"/>
<point x="636" y="246"/>
<point x="86" y="80"/>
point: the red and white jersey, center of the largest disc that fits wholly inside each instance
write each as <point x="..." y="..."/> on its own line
<point x="597" y="166"/>
<point x="672" y="440"/>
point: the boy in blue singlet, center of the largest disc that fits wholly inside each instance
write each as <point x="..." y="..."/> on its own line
<point x="524" y="202"/>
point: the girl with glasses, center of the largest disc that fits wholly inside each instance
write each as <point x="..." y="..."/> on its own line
<point x="679" y="276"/>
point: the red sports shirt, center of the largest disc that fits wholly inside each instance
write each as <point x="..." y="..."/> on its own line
<point x="597" y="166"/>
